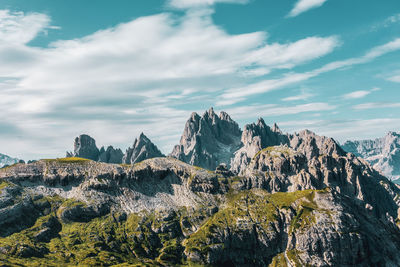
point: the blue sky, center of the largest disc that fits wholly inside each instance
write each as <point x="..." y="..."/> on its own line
<point x="113" y="69"/>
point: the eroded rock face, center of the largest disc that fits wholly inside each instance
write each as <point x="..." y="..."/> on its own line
<point x="85" y="147"/>
<point x="255" y="137"/>
<point x="142" y="149"/>
<point x="283" y="169"/>
<point x="317" y="228"/>
<point x="111" y="155"/>
<point x="209" y="140"/>
<point x="382" y="153"/>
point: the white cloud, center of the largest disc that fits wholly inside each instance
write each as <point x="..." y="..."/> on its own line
<point x="359" y="94"/>
<point x="394" y="78"/>
<point x="347" y="129"/>
<point x="387" y="22"/>
<point x="271" y="110"/>
<point x="303" y="96"/>
<point x="374" y="105"/>
<point x="237" y="94"/>
<point x="305" y="5"/>
<point x="19" y="28"/>
<point x="356" y="94"/>
<point x="183" y="4"/>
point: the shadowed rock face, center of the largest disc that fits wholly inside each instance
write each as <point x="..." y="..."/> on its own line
<point x="85" y="147"/>
<point x="209" y="140"/>
<point x="111" y="155"/>
<point x="255" y="137"/>
<point x="382" y="153"/>
<point x="142" y="149"/>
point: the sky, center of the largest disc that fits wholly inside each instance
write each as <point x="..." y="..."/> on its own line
<point x="114" y="69"/>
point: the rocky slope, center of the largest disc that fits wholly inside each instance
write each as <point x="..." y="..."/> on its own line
<point x="208" y="140"/>
<point x="382" y="153"/>
<point x="305" y="202"/>
<point x="142" y="149"/>
<point x="7" y="160"/>
<point x="110" y="155"/>
<point x="255" y="137"/>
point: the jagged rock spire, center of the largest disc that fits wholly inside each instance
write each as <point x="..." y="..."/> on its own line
<point x="142" y="149"/>
<point x="209" y="140"/>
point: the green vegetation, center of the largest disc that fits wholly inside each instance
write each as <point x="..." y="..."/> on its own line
<point x="279" y="261"/>
<point x="4" y="184"/>
<point x="292" y="255"/>
<point x="68" y="160"/>
<point x="274" y="151"/>
<point x="149" y="239"/>
<point x="256" y="206"/>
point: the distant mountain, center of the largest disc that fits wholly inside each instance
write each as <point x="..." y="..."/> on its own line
<point x="142" y="149"/>
<point x="7" y="160"/>
<point x="208" y="140"/>
<point x="382" y="153"/>
<point x="85" y="147"/>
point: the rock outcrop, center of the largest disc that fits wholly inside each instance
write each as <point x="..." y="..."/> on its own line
<point x="208" y="140"/>
<point x="111" y="155"/>
<point x="382" y="153"/>
<point x="255" y="137"/>
<point x="142" y="149"/>
<point x="85" y="147"/>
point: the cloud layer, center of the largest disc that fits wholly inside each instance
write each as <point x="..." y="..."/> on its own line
<point x="131" y="77"/>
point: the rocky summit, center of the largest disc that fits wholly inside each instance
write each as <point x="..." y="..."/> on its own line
<point x="290" y="200"/>
<point x="208" y="140"/>
<point x="142" y="149"/>
<point x="85" y="147"/>
<point x="382" y="153"/>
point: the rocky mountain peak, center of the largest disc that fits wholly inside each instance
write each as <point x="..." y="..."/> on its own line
<point x="209" y="140"/>
<point x="276" y="129"/>
<point x="85" y="147"/>
<point x="312" y="145"/>
<point x="382" y="153"/>
<point x="142" y="149"/>
<point x="255" y="137"/>
<point x="7" y="160"/>
<point x="111" y="155"/>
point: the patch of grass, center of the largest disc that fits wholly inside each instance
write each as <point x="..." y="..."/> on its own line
<point x="279" y="261"/>
<point x="293" y="257"/>
<point x="4" y="184"/>
<point x="67" y="160"/>
<point x="274" y="151"/>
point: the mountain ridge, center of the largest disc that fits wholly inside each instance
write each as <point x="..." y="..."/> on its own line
<point x="299" y="200"/>
<point x="382" y="153"/>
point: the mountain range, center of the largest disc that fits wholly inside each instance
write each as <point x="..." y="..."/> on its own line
<point x="7" y="160"/>
<point x="382" y="153"/>
<point x="223" y="197"/>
